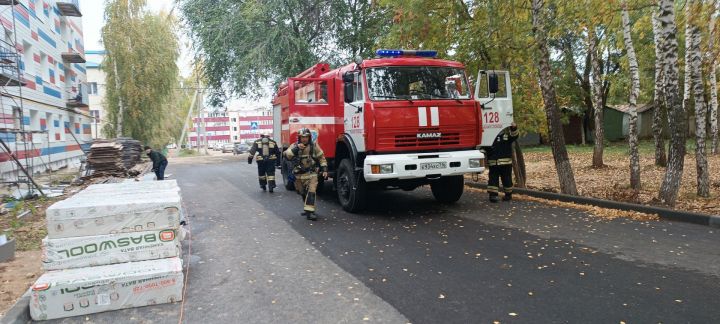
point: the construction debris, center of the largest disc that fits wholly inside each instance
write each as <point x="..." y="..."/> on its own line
<point x="114" y="157"/>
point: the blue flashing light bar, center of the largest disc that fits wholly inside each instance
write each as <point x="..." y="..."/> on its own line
<point x="398" y="53"/>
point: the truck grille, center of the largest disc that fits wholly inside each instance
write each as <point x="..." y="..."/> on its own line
<point x="406" y="140"/>
<point x="403" y="139"/>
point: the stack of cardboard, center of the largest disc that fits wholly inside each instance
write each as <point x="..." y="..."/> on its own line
<point x="111" y="246"/>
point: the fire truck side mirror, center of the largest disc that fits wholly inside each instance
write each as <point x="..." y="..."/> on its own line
<point x="349" y="92"/>
<point x="493" y="86"/>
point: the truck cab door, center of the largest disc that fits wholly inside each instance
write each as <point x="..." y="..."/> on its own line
<point x="353" y="108"/>
<point x="496" y="109"/>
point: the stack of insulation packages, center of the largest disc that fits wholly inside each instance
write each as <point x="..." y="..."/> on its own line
<point x="111" y="246"/>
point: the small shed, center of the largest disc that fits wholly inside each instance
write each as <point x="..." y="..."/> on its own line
<point x="617" y="121"/>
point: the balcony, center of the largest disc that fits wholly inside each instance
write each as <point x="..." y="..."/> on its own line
<point x="73" y="57"/>
<point x="77" y="96"/>
<point x="9" y="74"/>
<point x="69" y="8"/>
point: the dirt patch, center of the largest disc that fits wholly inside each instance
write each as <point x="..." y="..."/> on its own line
<point x="16" y="276"/>
<point x="612" y="182"/>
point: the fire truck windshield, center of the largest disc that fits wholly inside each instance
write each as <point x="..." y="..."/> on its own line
<point x="416" y="83"/>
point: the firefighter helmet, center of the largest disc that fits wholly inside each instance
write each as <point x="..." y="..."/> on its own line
<point x="304" y="132"/>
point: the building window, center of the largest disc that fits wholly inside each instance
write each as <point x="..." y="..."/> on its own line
<point x="234" y="129"/>
<point x="234" y="119"/>
<point x="92" y="88"/>
<point x="95" y="114"/>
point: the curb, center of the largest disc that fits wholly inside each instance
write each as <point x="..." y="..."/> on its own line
<point x="20" y="312"/>
<point x="664" y="213"/>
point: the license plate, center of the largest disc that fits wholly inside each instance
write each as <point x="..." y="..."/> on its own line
<point x="433" y="165"/>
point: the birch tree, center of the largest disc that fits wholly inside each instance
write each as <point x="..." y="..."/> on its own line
<point x="552" y="113"/>
<point x="634" y="92"/>
<point x="141" y="73"/>
<point x="597" y="95"/>
<point x="694" y="68"/>
<point x="658" y="97"/>
<point x="676" y="115"/>
<point x="712" y="55"/>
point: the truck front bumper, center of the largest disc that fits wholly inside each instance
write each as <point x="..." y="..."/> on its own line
<point x="422" y="165"/>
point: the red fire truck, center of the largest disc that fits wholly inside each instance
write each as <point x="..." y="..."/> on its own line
<point x="401" y="120"/>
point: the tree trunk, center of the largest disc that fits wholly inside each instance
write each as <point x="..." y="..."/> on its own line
<point x="557" y="141"/>
<point x="696" y="80"/>
<point x="659" y="97"/>
<point x="634" y="92"/>
<point x="686" y="78"/>
<point x="519" y="166"/>
<point x="597" y="87"/>
<point x="121" y="110"/>
<point x="713" y="89"/>
<point x="678" y="122"/>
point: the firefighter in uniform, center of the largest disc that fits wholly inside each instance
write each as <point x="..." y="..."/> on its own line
<point x="308" y="158"/>
<point x="268" y="157"/>
<point x="499" y="159"/>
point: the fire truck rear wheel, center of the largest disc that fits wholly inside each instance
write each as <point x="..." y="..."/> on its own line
<point x="350" y="189"/>
<point x="448" y="189"/>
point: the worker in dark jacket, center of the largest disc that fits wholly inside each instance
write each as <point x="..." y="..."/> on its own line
<point x="268" y="157"/>
<point x="159" y="162"/>
<point x="499" y="159"/>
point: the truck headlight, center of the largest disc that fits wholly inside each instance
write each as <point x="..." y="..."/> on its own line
<point x="474" y="163"/>
<point x="381" y="168"/>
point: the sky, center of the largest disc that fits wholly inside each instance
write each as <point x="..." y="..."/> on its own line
<point x="93" y="21"/>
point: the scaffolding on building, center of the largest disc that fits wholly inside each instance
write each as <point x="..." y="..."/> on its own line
<point x="22" y="153"/>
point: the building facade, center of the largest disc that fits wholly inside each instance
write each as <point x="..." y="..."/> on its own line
<point x="96" y="91"/>
<point x="250" y="123"/>
<point x="213" y="128"/>
<point x="44" y="117"/>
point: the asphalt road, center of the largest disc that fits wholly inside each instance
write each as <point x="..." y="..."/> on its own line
<point x="409" y="259"/>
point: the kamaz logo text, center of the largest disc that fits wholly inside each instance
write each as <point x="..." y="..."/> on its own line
<point x="429" y="135"/>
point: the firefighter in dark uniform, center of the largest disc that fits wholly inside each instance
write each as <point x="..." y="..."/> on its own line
<point x="499" y="159"/>
<point x="308" y="158"/>
<point x="268" y="156"/>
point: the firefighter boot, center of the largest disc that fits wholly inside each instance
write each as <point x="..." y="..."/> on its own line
<point x="311" y="216"/>
<point x="494" y="198"/>
<point x="263" y="187"/>
<point x="507" y="197"/>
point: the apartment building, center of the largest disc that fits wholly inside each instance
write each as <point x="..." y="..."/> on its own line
<point x="44" y="117"/>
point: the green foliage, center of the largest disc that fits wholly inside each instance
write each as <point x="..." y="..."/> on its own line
<point x="143" y="49"/>
<point x="245" y="43"/>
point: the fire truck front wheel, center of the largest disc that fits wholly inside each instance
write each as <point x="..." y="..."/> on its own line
<point x="448" y="189"/>
<point x="350" y="187"/>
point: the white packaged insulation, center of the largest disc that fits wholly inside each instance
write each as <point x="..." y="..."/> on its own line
<point x="88" y="251"/>
<point x="73" y="292"/>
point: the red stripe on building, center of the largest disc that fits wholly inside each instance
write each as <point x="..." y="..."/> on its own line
<point x="22" y="11"/>
<point x="62" y="78"/>
<point x="217" y="128"/>
<point x="30" y="84"/>
<point x="34" y="35"/>
<point x="212" y="119"/>
<point x="36" y="58"/>
<point x="212" y="138"/>
<point x="51" y="60"/>
<point x="57" y="136"/>
<point x="6" y="23"/>
<point x="77" y="29"/>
